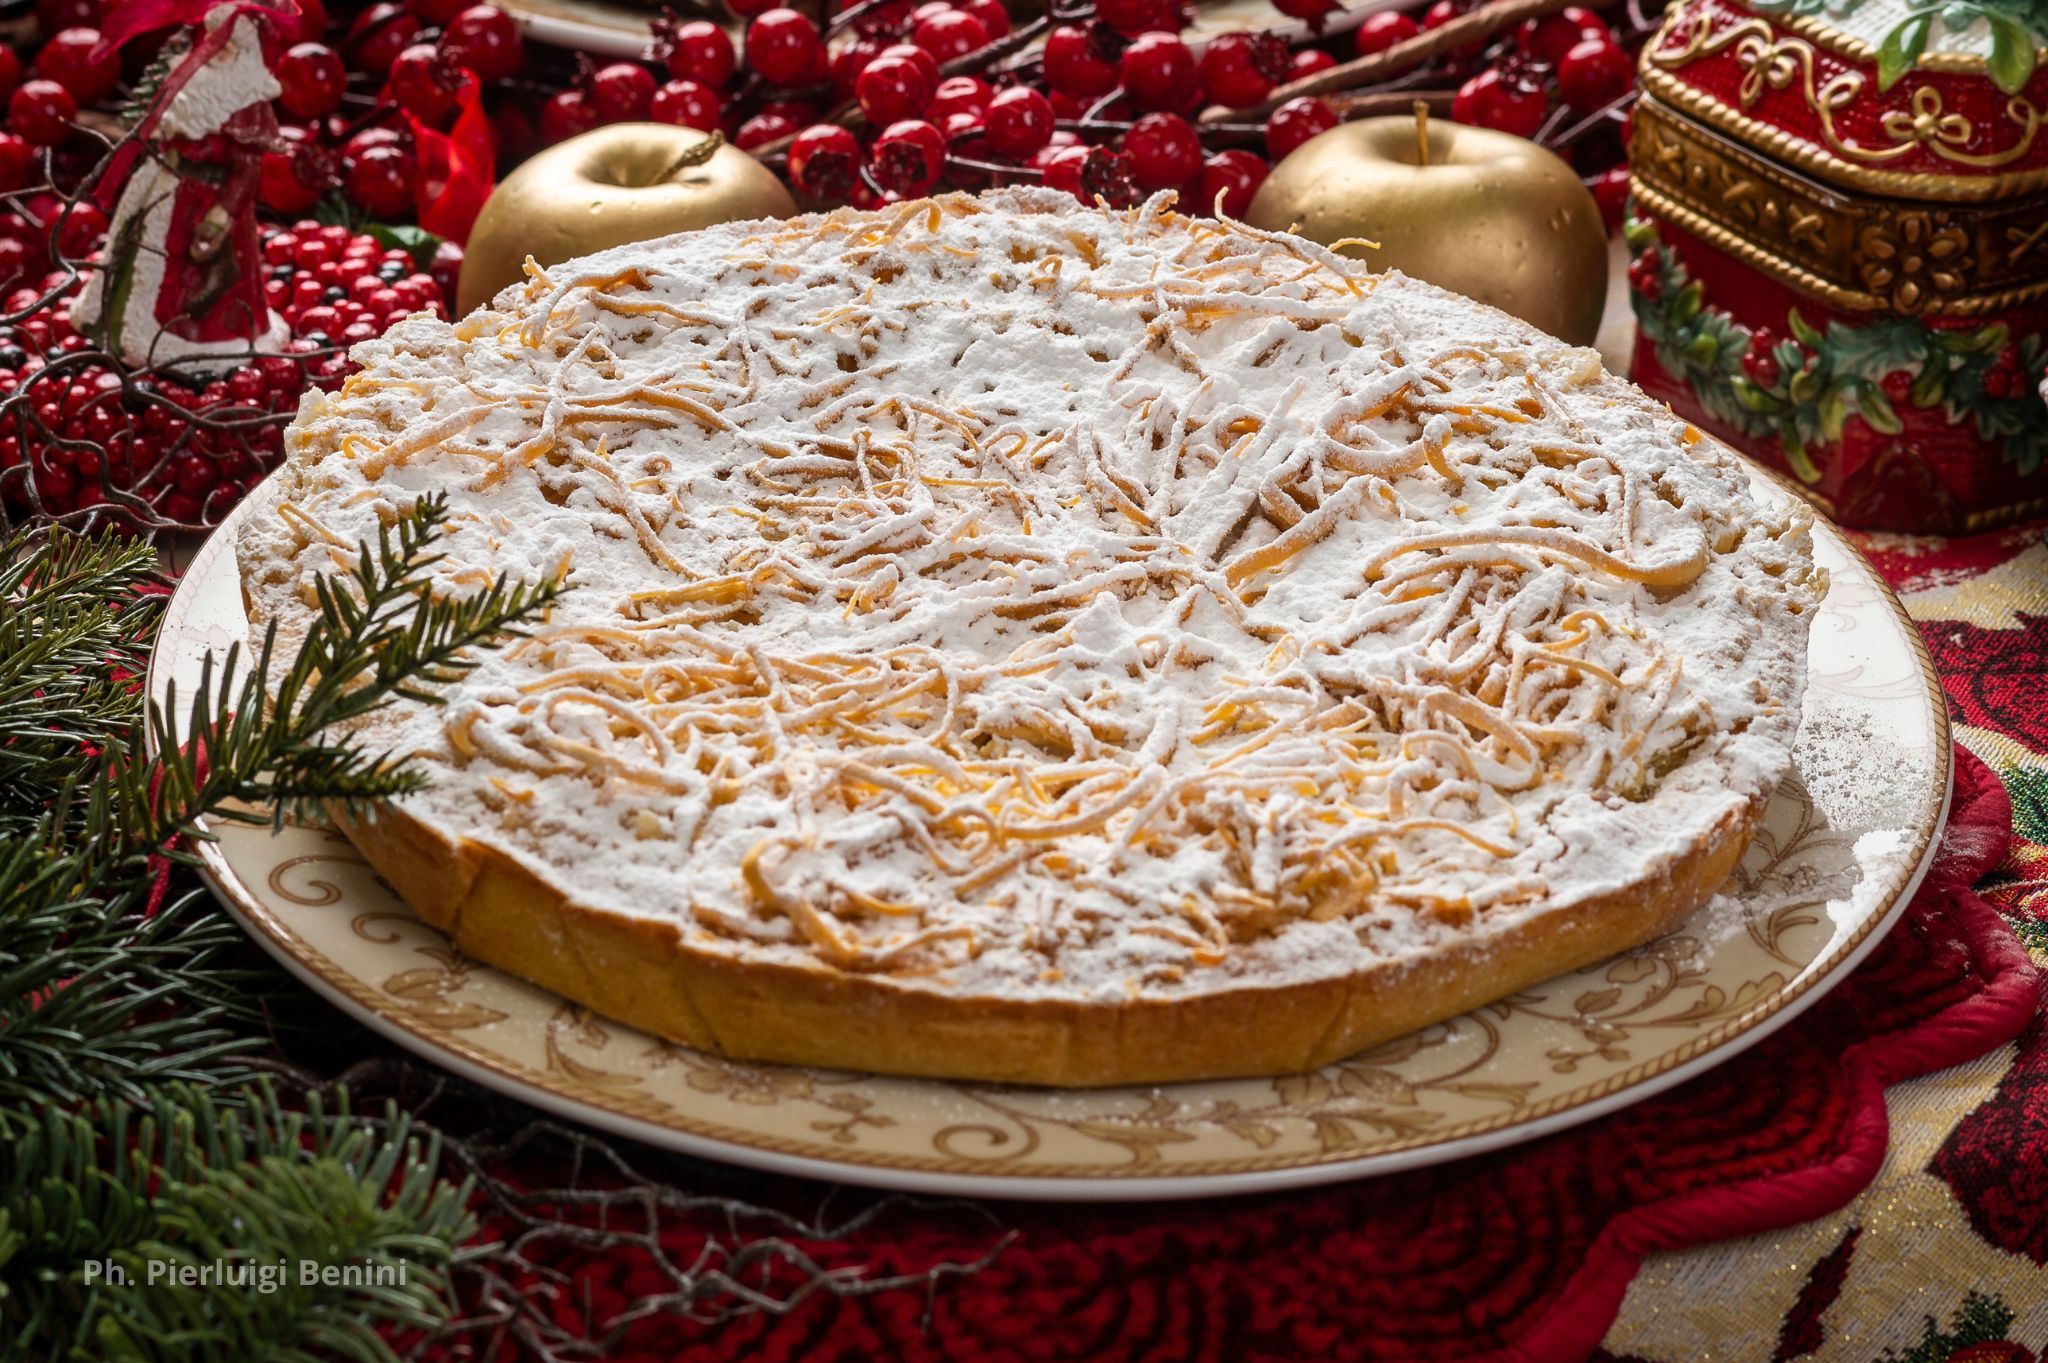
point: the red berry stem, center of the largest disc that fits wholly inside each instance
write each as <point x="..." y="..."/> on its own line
<point x="1475" y="26"/>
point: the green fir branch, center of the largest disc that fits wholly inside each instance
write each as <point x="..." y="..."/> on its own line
<point x="123" y="1022"/>
<point x="379" y="636"/>
<point x="192" y="1183"/>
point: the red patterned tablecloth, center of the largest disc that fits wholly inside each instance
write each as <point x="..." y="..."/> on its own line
<point x="1869" y="1184"/>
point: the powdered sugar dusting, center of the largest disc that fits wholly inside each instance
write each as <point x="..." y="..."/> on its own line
<point x="1040" y="601"/>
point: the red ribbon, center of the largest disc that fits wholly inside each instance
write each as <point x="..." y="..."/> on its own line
<point x="137" y="17"/>
<point x="457" y="168"/>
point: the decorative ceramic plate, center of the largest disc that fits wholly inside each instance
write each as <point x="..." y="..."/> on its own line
<point x="1844" y="845"/>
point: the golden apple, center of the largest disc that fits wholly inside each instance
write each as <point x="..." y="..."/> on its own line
<point x="623" y="183"/>
<point x="1483" y="213"/>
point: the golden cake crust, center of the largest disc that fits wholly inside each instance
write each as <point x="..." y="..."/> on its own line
<point x="641" y="972"/>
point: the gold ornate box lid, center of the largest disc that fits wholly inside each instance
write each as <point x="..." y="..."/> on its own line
<point x="1898" y="97"/>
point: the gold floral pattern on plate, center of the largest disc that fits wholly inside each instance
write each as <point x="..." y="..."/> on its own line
<point x="1839" y="852"/>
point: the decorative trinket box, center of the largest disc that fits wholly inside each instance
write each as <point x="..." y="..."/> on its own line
<point x="1840" y="243"/>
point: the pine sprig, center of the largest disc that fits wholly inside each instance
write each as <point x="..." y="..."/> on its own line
<point x="243" y="1187"/>
<point x="86" y="978"/>
<point x="76" y="620"/>
<point x="118" y="1012"/>
<point x="380" y="635"/>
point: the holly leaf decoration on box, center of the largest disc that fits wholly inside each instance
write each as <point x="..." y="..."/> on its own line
<point x="1805" y="388"/>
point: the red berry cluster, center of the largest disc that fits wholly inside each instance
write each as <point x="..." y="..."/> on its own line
<point x="350" y="92"/>
<point x="338" y="287"/>
<point x="1569" y="59"/>
<point x="184" y="446"/>
<point x="81" y="434"/>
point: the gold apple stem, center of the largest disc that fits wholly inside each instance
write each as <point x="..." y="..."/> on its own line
<point x="693" y="156"/>
<point x="1422" y="132"/>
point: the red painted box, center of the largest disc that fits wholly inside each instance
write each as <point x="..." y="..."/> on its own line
<point x="1840" y="240"/>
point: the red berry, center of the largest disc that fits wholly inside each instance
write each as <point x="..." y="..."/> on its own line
<point x="42" y="111"/>
<point x="565" y="116"/>
<point x="1310" y="61"/>
<point x="1240" y="69"/>
<point x="799" y="113"/>
<point x="961" y="94"/>
<point x="246" y="386"/>
<point x="15" y="259"/>
<point x="80" y="228"/>
<point x="1549" y="38"/>
<point x="1646" y="275"/>
<point x="1165" y="151"/>
<point x="436" y="11"/>
<point x="372" y="137"/>
<point x="1762" y="368"/>
<point x="484" y="39"/>
<point x="784" y="47"/>
<point x="10" y="70"/>
<point x="1295" y="122"/>
<point x="1610" y="192"/>
<point x="686" y="103"/>
<point x="424" y="82"/>
<point x="68" y="59"/>
<point x="1019" y="122"/>
<point x="892" y="89"/>
<point x="1130" y="16"/>
<point x="313" y="78"/>
<point x="623" y="92"/>
<point x="922" y="59"/>
<point x="762" y="128"/>
<point x="700" y="51"/>
<point x="748" y="9"/>
<point x="1310" y="11"/>
<point x="1074" y="63"/>
<point x="1382" y="31"/>
<point x="16" y="158"/>
<point x="381" y="181"/>
<point x="879" y="21"/>
<point x="994" y="18"/>
<point x="311" y="23"/>
<point x="1492" y="100"/>
<point x="56" y="14"/>
<point x="949" y="35"/>
<point x="1593" y="74"/>
<point x="1235" y="176"/>
<point x="907" y="157"/>
<point x="823" y="160"/>
<point x="281" y="187"/>
<point x="1441" y="13"/>
<point x="378" y="35"/>
<point x="1159" y="72"/>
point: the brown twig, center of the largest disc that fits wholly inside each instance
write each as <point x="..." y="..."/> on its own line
<point x="1475" y="26"/>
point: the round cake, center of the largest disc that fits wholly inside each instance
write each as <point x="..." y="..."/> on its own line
<point x="1020" y="642"/>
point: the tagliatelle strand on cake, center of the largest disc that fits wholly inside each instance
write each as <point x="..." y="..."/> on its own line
<point x="1065" y="601"/>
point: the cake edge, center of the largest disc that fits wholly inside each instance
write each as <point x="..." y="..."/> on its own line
<point x="640" y="972"/>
